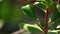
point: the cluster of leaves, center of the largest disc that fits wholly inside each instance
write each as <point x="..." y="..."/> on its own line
<point x="54" y="20"/>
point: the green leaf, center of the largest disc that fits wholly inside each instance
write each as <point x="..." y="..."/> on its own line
<point x="29" y="10"/>
<point x="55" y="24"/>
<point x="55" y="19"/>
<point x="53" y="31"/>
<point x="41" y="6"/>
<point x="48" y="3"/>
<point x="31" y="28"/>
<point x="56" y="14"/>
<point x="58" y="32"/>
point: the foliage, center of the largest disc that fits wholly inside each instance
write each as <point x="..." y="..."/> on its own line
<point x="43" y="5"/>
<point x="9" y="11"/>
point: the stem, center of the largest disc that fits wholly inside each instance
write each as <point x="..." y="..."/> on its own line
<point x="37" y="23"/>
<point x="46" y="21"/>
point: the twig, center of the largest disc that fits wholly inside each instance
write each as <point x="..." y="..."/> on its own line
<point x="46" y="21"/>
